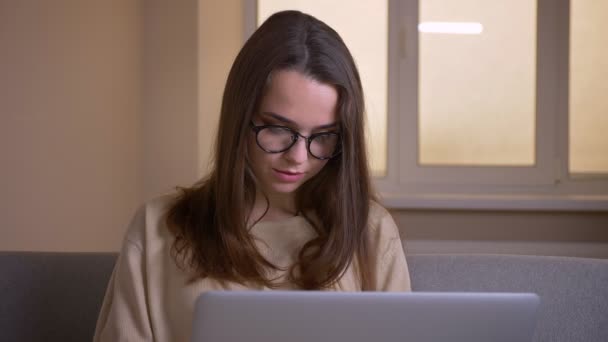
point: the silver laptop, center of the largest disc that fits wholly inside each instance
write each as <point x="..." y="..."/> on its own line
<point x="298" y="316"/>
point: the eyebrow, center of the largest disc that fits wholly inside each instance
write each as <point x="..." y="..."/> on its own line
<point x="291" y="122"/>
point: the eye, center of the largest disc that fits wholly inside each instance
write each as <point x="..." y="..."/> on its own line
<point x="326" y="138"/>
<point x="278" y="130"/>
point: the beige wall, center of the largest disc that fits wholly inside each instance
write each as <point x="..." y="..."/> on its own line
<point x="170" y="95"/>
<point x="99" y="111"/>
<point x="216" y="53"/>
<point x="70" y="122"/>
<point x="101" y="107"/>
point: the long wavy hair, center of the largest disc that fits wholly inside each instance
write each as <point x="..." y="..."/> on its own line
<point x="209" y="220"/>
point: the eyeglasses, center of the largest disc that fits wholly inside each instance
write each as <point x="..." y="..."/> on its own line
<point x="277" y="139"/>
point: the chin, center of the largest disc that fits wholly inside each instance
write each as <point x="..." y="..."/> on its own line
<point x="285" y="188"/>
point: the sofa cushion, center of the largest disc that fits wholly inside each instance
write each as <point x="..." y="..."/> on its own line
<point x="573" y="291"/>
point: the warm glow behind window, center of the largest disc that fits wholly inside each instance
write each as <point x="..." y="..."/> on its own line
<point x="363" y="25"/>
<point x="477" y="83"/>
<point x="589" y="86"/>
<point x="450" y="28"/>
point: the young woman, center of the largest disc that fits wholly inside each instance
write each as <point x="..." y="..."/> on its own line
<point x="288" y="205"/>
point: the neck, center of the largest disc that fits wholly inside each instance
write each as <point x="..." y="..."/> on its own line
<point x="280" y="206"/>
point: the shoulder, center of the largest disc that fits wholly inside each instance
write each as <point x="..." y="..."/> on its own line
<point x="376" y="210"/>
<point x="386" y="252"/>
<point x="381" y="226"/>
<point x="149" y="221"/>
<point x="379" y="218"/>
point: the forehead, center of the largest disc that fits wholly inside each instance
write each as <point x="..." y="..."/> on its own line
<point x="303" y="100"/>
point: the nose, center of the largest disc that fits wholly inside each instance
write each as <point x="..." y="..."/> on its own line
<point x="298" y="153"/>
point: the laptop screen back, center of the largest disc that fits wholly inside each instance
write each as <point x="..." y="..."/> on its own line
<point x="298" y="316"/>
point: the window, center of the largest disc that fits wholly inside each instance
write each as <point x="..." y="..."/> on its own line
<point x="588" y="87"/>
<point x="475" y="102"/>
<point x="485" y="105"/>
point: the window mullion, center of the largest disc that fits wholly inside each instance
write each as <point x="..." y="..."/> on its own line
<point x="563" y="85"/>
<point x="552" y="90"/>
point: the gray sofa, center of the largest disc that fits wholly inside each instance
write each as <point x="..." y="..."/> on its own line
<point x="57" y="296"/>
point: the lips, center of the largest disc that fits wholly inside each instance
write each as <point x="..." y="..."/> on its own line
<point x="287" y="176"/>
<point x="292" y="173"/>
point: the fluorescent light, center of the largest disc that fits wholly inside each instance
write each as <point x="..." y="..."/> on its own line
<point x="450" y="27"/>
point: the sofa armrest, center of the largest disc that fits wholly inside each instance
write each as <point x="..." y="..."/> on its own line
<point x="52" y="296"/>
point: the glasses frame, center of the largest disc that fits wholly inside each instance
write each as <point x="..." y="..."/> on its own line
<point x="295" y="136"/>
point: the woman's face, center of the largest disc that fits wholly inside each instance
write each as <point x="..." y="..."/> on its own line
<point x="306" y="106"/>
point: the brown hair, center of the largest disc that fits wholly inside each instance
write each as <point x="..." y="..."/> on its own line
<point x="209" y="220"/>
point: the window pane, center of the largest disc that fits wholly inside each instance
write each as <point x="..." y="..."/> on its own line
<point x="367" y="43"/>
<point x="477" y="82"/>
<point x="589" y="86"/>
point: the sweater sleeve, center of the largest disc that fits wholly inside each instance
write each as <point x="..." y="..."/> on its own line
<point x="391" y="271"/>
<point x="124" y="312"/>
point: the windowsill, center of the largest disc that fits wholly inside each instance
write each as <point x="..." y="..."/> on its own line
<point x="595" y="203"/>
<point x="597" y="250"/>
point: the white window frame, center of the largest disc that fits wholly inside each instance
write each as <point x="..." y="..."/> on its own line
<point x="545" y="186"/>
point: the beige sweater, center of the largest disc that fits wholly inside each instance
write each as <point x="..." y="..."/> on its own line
<point x="148" y="297"/>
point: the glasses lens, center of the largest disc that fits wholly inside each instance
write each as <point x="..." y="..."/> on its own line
<point x="324" y="145"/>
<point x="275" y="139"/>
